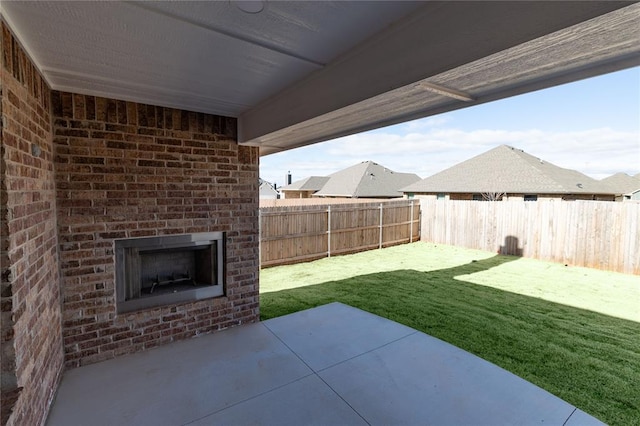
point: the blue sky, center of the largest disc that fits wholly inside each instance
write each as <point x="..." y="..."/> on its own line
<point x="592" y="126"/>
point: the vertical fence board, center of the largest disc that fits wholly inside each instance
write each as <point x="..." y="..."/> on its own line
<point x="597" y="234"/>
<point x="293" y="234"/>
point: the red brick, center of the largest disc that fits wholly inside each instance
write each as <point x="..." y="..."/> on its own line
<point x="27" y="236"/>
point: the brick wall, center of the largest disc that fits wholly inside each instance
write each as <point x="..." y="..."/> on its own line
<point x="32" y="357"/>
<point x="129" y="170"/>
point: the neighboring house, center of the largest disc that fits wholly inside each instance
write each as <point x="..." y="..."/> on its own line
<point x="268" y="190"/>
<point x="508" y="173"/>
<point x="304" y="188"/>
<point x="625" y="187"/>
<point x="364" y="180"/>
<point x="632" y="196"/>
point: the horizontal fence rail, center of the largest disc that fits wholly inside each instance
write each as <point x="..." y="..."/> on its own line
<point x="594" y="234"/>
<point x="316" y="201"/>
<point x="295" y="234"/>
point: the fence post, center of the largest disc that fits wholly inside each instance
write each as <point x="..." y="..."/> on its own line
<point x="329" y="230"/>
<point x="411" y="224"/>
<point x="260" y="237"/>
<point x="380" y="246"/>
<point x="420" y="221"/>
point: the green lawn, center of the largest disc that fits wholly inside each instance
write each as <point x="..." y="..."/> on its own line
<point x="572" y="331"/>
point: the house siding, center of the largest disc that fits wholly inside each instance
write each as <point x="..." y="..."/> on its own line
<point x="297" y="194"/>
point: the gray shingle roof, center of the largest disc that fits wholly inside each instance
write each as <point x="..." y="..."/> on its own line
<point x="622" y="183"/>
<point x="312" y="183"/>
<point x="264" y="183"/>
<point x="267" y="189"/>
<point x="366" y="180"/>
<point x="510" y="170"/>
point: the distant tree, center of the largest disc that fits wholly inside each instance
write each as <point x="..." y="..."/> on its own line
<point x="493" y="196"/>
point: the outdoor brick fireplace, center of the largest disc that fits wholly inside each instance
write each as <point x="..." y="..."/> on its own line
<point x="157" y="213"/>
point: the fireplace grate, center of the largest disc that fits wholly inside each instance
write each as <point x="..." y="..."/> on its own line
<point x="172" y="281"/>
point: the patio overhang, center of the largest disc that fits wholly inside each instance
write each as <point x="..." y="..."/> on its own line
<point x="300" y="73"/>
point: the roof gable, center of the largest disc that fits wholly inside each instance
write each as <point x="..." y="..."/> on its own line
<point x="311" y="183"/>
<point x="266" y="185"/>
<point x="367" y="179"/>
<point x="510" y="170"/>
<point x="622" y="183"/>
<point x="267" y="189"/>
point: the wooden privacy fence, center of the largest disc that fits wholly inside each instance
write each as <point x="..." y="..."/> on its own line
<point x="296" y="234"/>
<point x="595" y="234"/>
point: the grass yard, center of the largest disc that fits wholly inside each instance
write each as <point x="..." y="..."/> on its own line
<point x="572" y="331"/>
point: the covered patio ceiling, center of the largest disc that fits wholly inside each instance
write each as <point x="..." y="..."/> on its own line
<point x="297" y="73"/>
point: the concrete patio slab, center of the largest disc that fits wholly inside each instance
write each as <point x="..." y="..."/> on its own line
<point x="308" y="401"/>
<point x="329" y="365"/>
<point x="580" y="418"/>
<point x="423" y="380"/>
<point x="335" y="333"/>
<point x="177" y="383"/>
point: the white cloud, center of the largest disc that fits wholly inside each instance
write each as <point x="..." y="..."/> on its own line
<point x="426" y="123"/>
<point x="426" y="150"/>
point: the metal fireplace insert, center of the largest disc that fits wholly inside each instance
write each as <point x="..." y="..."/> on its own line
<point x="165" y="270"/>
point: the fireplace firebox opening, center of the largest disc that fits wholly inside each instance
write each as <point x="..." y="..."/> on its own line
<point x="156" y="271"/>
